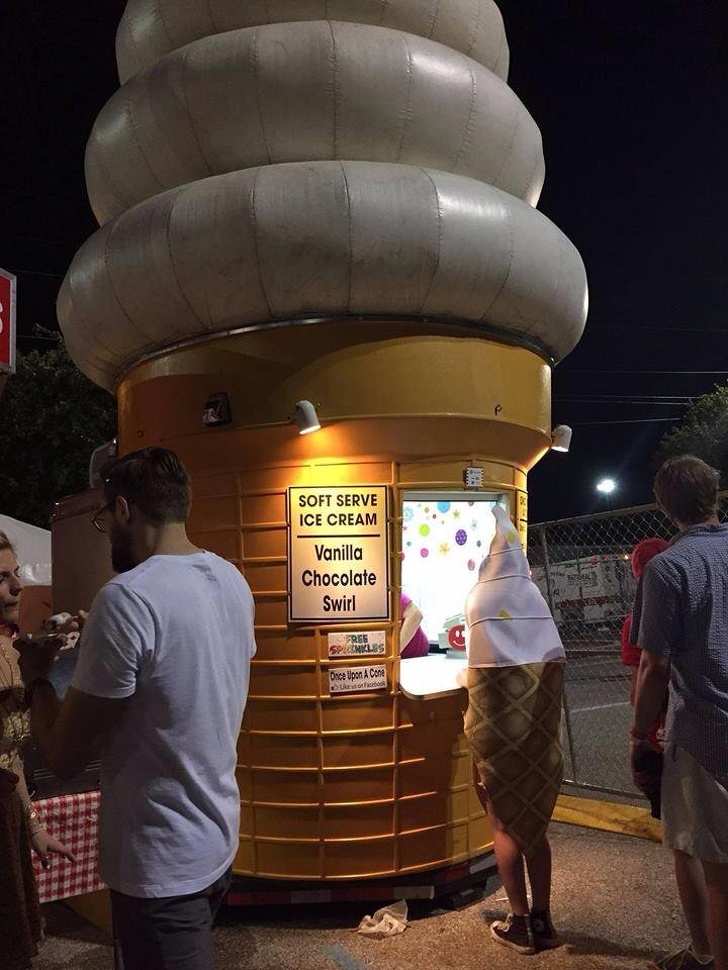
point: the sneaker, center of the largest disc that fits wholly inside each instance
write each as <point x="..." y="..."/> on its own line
<point x="514" y="932"/>
<point x="683" y="959"/>
<point x="545" y="936"/>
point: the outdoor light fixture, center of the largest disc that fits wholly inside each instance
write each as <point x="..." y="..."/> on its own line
<point x="561" y="438"/>
<point x="306" y="417"/>
<point x="606" y="486"/>
<point x="216" y="410"/>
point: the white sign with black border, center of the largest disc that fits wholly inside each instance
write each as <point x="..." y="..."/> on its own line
<point x="338" y="557"/>
<point x="351" y="680"/>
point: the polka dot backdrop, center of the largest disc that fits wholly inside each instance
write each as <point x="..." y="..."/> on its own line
<point x="444" y="542"/>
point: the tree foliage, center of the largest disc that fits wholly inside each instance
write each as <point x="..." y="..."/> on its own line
<point x="703" y="432"/>
<point x="52" y="419"/>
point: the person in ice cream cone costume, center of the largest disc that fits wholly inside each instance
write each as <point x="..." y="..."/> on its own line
<point x="513" y="725"/>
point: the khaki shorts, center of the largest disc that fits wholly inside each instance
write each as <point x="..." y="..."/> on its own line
<point x="694" y="808"/>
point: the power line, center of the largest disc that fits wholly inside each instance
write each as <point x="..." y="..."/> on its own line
<point x="39" y="239"/>
<point x="679" y="373"/>
<point x="595" y="328"/>
<point x="75" y="198"/>
<point x="27" y="336"/>
<point x="645" y="402"/>
<point x="580" y="424"/>
<point x="622" y="402"/>
<point x="37" y="272"/>
<point x="645" y="398"/>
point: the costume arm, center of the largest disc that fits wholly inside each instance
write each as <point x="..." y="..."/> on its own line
<point x="411" y="619"/>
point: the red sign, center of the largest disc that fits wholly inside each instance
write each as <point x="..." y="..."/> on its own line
<point x="7" y="321"/>
<point x="456" y="637"/>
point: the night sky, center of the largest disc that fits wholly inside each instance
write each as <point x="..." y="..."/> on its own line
<point x="631" y="101"/>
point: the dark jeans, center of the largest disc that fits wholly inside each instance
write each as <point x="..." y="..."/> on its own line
<point x="167" y="933"/>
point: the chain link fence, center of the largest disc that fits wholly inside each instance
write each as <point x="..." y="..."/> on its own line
<point x="583" y="570"/>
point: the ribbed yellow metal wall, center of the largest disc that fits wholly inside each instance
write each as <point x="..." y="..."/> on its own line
<point x="359" y="785"/>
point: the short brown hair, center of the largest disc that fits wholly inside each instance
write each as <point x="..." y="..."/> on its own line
<point x="686" y="489"/>
<point x="5" y="543"/>
<point x="153" y="479"/>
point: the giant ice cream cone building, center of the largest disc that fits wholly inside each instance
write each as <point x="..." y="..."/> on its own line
<point x="330" y="201"/>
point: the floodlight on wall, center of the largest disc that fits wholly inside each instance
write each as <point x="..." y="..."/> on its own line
<point x="561" y="438"/>
<point x="306" y="417"/>
<point x="216" y="410"/>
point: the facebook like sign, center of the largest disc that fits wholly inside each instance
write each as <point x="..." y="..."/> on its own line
<point x="7" y="321"/>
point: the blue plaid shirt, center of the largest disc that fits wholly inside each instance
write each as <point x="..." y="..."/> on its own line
<point x="684" y="618"/>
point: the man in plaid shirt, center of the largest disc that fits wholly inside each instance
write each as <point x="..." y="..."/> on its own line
<point x="684" y="639"/>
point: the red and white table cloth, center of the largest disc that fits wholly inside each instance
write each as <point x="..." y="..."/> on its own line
<point x="74" y="821"/>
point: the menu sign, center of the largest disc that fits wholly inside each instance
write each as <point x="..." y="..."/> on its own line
<point x="337" y="553"/>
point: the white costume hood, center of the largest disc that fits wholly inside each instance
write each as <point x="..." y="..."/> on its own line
<point x="507" y="619"/>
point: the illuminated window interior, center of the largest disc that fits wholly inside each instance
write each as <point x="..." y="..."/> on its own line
<point x="445" y="535"/>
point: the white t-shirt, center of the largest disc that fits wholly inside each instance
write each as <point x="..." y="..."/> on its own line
<point x="175" y="635"/>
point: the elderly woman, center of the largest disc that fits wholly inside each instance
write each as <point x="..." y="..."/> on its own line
<point x="20" y="922"/>
<point x="513" y="725"/>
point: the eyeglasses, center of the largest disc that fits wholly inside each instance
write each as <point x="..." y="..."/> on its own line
<point x="99" y="526"/>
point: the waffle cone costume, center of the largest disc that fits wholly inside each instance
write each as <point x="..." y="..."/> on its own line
<point x="515" y="685"/>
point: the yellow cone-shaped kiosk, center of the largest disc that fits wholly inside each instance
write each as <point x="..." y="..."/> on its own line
<point x="339" y="212"/>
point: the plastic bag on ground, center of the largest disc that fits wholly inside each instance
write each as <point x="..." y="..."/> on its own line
<point x="387" y="921"/>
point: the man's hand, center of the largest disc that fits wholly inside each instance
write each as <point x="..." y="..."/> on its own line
<point x="646" y="764"/>
<point x="8" y="782"/>
<point x="38" y="655"/>
<point x="43" y="844"/>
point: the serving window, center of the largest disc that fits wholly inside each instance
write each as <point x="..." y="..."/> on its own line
<point x="445" y="535"/>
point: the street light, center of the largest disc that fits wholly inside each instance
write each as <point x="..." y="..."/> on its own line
<point x="606" y="486"/>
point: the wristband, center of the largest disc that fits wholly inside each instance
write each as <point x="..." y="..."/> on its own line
<point x="34" y="825"/>
<point x="30" y="688"/>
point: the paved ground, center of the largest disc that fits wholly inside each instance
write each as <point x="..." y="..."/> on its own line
<point x="614" y="902"/>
